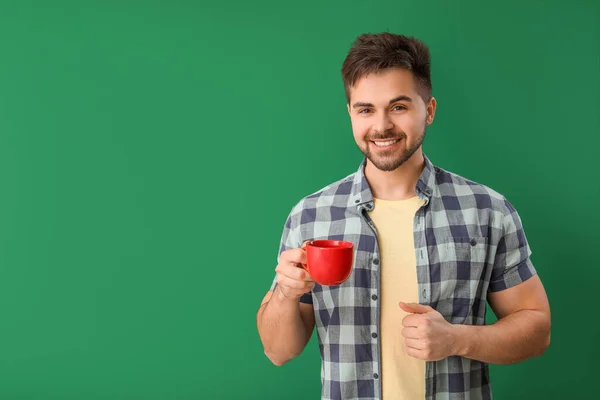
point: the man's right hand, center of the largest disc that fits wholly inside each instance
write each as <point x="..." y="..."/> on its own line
<point x="292" y="280"/>
<point x="285" y="325"/>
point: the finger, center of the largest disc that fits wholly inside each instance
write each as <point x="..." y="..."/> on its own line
<point x="294" y="283"/>
<point x="296" y="290"/>
<point x="291" y="271"/>
<point x="295" y="256"/>
<point x="411" y="320"/>
<point x="414" y="344"/>
<point x="410" y="333"/>
<point x="291" y="293"/>
<point x="415" y="308"/>
<point x="415" y="353"/>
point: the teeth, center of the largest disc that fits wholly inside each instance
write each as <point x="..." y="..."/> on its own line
<point x="384" y="144"/>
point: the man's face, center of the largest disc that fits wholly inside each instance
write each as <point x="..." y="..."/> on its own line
<point x="389" y="117"/>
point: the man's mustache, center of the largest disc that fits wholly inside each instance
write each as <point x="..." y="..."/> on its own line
<point x="386" y="136"/>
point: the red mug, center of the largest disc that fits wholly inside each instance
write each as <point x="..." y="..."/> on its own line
<point x="329" y="262"/>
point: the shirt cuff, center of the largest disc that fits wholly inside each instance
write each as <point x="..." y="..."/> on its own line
<point x="514" y="276"/>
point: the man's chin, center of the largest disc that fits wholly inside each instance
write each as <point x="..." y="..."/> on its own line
<point x="386" y="165"/>
<point x="389" y="163"/>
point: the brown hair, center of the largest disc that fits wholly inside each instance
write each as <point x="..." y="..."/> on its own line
<point x="372" y="53"/>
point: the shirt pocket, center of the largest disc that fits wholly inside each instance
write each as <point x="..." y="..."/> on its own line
<point x="460" y="277"/>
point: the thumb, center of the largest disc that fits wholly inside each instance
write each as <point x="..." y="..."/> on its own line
<point x="415" y="308"/>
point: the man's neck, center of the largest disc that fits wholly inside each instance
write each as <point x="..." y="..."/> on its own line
<point x="398" y="184"/>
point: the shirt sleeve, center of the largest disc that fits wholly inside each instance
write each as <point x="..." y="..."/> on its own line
<point x="512" y="264"/>
<point x="290" y="240"/>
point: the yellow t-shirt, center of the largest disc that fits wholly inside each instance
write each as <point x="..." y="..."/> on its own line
<point x="402" y="376"/>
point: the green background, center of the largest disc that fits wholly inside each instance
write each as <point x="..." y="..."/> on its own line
<point x="150" y="152"/>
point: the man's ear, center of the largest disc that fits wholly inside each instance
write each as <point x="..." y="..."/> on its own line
<point x="431" y="107"/>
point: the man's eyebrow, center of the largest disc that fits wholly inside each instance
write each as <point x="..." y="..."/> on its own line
<point x="395" y="99"/>
<point x="360" y="104"/>
<point x="401" y="98"/>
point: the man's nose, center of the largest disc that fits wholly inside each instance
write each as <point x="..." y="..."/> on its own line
<point x="383" y="123"/>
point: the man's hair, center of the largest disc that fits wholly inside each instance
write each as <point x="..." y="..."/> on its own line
<point x="373" y="53"/>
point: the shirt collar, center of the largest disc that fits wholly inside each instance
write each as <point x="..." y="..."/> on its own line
<point x="361" y="191"/>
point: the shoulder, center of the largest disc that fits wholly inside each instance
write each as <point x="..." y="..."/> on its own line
<point x="337" y="194"/>
<point x="455" y="190"/>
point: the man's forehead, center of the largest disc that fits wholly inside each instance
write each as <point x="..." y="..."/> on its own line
<point x="384" y="86"/>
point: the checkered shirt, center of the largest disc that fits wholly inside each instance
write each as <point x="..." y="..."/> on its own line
<point x="469" y="241"/>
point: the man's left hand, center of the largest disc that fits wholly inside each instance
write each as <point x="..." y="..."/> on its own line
<point x="427" y="335"/>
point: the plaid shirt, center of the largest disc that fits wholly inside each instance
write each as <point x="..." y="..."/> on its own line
<point x="469" y="242"/>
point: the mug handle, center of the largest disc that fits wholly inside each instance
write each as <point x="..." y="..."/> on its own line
<point x="303" y="248"/>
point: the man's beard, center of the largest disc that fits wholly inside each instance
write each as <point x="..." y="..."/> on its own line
<point x="392" y="159"/>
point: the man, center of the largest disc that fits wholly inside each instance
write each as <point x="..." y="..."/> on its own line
<point x="432" y="249"/>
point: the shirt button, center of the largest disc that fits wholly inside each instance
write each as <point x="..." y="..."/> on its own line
<point x="374" y="297"/>
<point x="357" y="201"/>
<point x="374" y="335"/>
<point x="375" y="261"/>
<point x="375" y="376"/>
<point x="473" y="242"/>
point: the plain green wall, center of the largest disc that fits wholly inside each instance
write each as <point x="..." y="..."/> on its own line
<point x="150" y="152"/>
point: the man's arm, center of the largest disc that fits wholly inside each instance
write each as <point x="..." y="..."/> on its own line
<point x="284" y="325"/>
<point x="284" y="322"/>
<point x="517" y="297"/>
<point x="521" y="332"/>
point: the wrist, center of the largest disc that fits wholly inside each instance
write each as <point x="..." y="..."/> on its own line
<point x="464" y="339"/>
<point x="286" y="298"/>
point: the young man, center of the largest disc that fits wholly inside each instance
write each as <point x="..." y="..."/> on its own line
<point x="432" y="249"/>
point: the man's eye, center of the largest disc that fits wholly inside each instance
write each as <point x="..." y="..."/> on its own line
<point x="364" y="111"/>
<point x="399" y="108"/>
